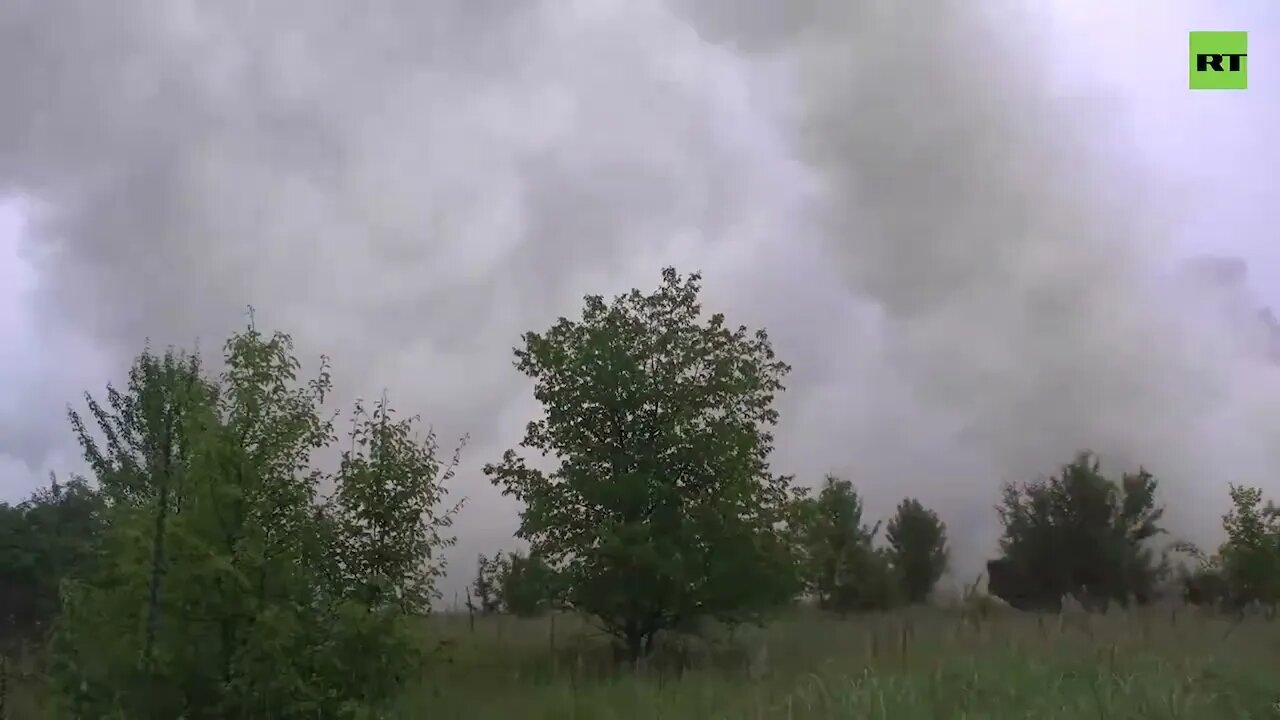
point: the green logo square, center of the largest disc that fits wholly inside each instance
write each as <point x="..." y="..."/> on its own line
<point x="1219" y="60"/>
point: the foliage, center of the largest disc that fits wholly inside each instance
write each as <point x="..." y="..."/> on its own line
<point x="227" y="588"/>
<point x="1251" y="554"/>
<point x="1205" y="584"/>
<point x="204" y="574"/>
<point x="1078" y="532"/>
<point x="52" y="535"/>
<point x="514" y="583"/>
<point x="1246" y="567"/>
<point x="843" y="569"/>
<point x="487" y="585"/>
<point x="528" y="585"/>
<point x="662" y="508"/>
<point x="918" y="548"/>
<point x="390" y="487"/>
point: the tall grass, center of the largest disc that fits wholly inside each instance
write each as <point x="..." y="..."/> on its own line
<point x="926" y="663"/>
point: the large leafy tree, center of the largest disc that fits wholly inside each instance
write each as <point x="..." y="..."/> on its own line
<point x="1078" y="532"/>
<point x="661" y="508"/>
<point x="918" y="548"/>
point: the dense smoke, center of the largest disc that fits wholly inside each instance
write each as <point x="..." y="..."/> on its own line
<point x="968" y="288"/>
<point x="1020" y="272"/>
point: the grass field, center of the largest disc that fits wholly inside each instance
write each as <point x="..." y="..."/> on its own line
<point x="926" y="664"/>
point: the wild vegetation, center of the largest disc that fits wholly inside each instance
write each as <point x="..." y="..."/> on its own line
<point x="211" y="568"/>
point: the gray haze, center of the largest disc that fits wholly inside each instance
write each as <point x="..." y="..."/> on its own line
<point x="969" y="285"/>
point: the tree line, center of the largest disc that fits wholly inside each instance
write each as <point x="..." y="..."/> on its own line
<point x="210" y="568"/>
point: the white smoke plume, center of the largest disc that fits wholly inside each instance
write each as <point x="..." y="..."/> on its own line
<point x="969" y="286"/>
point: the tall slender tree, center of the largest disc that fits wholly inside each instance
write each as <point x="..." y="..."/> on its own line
<point x="918" y="548"/>
<point x="844" y="570"/>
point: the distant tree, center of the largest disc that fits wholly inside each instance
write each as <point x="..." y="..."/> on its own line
<point x="662" y="508"/>
<point x="1250" y="558"/>
<point x="1246" y="567"/>
<point x="514" y="583"/>
<point x="918" y="548"/>
<point x="1205" y="584"/>
<point x="486" y="588"/>
<point x="528" y="585"/>
<point x="1078" y="532"/>
<point x="798" y="529"/>
<point x="50" y="537"/>
<point x="24" y="592"/>
<point x="844" y="571"/>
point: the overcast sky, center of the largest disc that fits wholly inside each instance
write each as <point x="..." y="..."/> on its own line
<point x="956" y="218"/>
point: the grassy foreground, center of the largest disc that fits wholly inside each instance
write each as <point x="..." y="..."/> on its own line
<point x="926" y="664"/>
<point x="921" y="664"/>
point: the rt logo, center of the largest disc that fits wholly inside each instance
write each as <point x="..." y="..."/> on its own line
<point x="1219" y="60"/>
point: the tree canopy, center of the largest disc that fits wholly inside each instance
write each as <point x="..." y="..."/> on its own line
<point x="843" y="569"/>
<point x="1078" y="532"/>
<point x="661" y="507"/>
<point x="228" y="585"/>
<point x="917" y="548"/>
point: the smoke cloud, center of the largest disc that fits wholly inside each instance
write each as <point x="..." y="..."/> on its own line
<point x="969" y="284"/>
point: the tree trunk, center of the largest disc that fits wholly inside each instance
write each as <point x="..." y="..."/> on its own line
<point x="157" y="551"/>
<point x="157" y="571"/>
<point x="4" y="685"/>
<point x="635" y="643"/>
